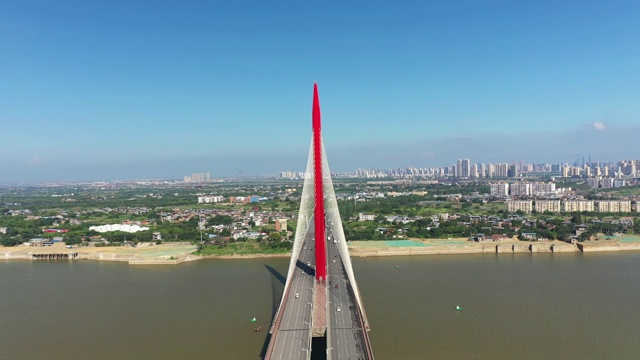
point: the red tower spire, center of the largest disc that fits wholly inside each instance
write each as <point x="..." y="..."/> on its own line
<point x="319" y="222"/>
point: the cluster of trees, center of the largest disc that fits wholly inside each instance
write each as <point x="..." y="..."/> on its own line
<point x="386" y="205"/>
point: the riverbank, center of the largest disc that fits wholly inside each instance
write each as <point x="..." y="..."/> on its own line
<point x="169" y="254"/>
<point x="172" y="254"/>
<point x="245" y="256"/>
<point x="164" y="254"/>
<point x="462" y="246"/>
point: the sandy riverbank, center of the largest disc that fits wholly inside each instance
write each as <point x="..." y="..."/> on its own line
<point x="245" y="256"/>
<point x="152" y="254"/>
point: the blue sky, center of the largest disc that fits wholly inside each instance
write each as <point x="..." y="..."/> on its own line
<point x="160" y="89"/>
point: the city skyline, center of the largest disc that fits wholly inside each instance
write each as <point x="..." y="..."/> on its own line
<point x="147" y="90"/>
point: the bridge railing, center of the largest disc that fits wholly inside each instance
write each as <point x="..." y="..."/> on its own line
<point x="276" y="324"/>
<point x="365" y="336"/>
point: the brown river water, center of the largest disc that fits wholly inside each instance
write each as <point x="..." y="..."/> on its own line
<point x="514" y="306"/>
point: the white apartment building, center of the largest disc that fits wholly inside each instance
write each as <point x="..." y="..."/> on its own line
<point x="366" y="217"/>
<point x="520" y="189"/>
<point x="541" y="188"/>
<point x="619" y="183"/>
<point x="547" y="205"/>
<point x="577" y="205"/>
<point x="207" y="199"/>
<point x="491" y="171"/>
<point x="523" y="205"/>
<point x="463" y="168"/>
<point x="606" y="183"/>
<point x="613" y="206"/>
<point x="625" y="206"/>
<point x="500" y="189"/>
<point x="197" y="178"/>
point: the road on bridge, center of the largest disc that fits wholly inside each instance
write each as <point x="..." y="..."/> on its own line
<point x="293" y="336"/>
<point x="344" y="332"/>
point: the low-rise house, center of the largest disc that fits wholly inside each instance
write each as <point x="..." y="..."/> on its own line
<point x="37" y="242"/>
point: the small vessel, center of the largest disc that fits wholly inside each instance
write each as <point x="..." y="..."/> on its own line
<point x="458" y="307"/>
<point x="397" y="266"/>
<point x="254" y="320"/>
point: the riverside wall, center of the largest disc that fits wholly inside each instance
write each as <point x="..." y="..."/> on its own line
<point x="608" y="247"/>
<point x="354" y="251"/>
<point x="507" y="248"/>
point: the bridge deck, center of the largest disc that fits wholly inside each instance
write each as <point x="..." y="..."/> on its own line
<point x="334" y="309"/>
<point x="346" y="336"/>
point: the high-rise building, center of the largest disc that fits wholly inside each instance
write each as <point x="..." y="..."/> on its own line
<point x="541" y="188"/>
<point x="463" y="168"/>
<point x="198" y="178"/>
<point x="522" y="205"/>
<point x="501" y="170"/>
<point x="500" y="189"/>
<point x="474" y="171"/>
<point x="466" y="168"/>
<point x="577" y="205"/>
<point x="547" y="205"/>
<point x="520" y="189"/>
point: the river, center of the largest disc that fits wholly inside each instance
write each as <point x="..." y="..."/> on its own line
<point x="524" y="306"/>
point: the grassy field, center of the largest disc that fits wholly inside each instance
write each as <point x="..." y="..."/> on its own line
<point x="239" y="249"/>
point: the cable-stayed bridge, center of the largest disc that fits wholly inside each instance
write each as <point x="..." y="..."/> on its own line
<point x="321" y="297"/>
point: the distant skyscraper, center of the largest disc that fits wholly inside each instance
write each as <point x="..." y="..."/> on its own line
<point x="463" y="168"/>
<point x="198" y="178"/>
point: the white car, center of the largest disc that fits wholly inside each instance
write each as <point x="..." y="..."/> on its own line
<point x="338" y="309"/>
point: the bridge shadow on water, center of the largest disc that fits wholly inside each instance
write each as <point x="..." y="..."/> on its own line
<point x="277" y="288"/>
